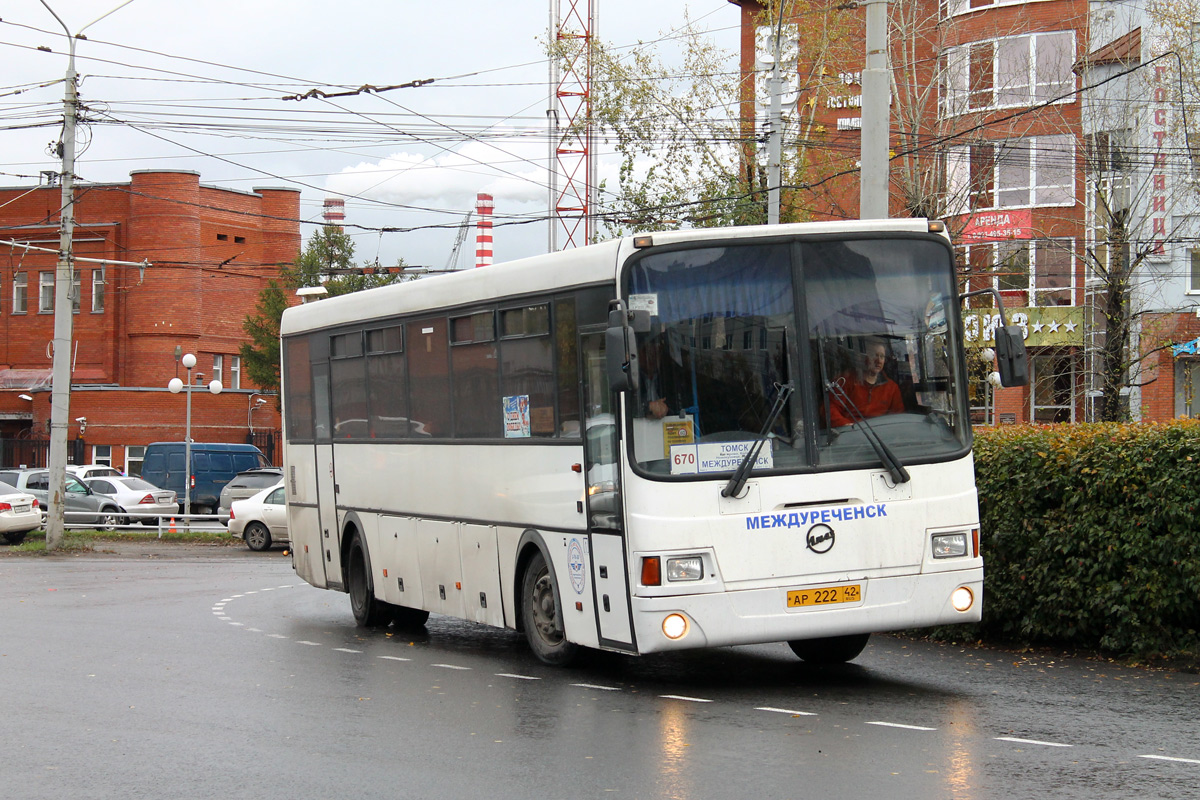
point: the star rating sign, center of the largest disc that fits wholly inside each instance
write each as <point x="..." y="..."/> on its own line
<point x="1037" y="327"/>
<point x="1069" y="327"/>
<point x="1054" y="327"/>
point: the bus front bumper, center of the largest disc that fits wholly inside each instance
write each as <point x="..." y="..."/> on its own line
<point x="780" y="614"/>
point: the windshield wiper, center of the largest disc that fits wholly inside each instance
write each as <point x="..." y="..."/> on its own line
<point x="889" y="460"/>
<point x="742" y="473"/>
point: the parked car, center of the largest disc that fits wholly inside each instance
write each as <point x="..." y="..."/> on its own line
<point x="19" y="513"/>
<point x="213" y="466"/>
<point x="246" y="484"/>
<point x="139" y="500"/>
<point x="86" y="471"/>
<point x="262" y="519"/>
<point x="83" y="506"/>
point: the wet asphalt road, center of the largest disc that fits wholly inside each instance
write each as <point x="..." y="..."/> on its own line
<point x="216" y="673"/>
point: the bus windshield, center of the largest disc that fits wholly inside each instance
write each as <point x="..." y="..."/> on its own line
<point x="860" y="331"/>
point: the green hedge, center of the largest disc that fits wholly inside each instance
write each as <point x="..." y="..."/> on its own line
<point x="1091" y="536"/>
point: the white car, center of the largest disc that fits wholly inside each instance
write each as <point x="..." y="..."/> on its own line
<point x="86" y="471"/>
<point x="19" y="514"/>
<point x="262" y="519"/>
<point x="139" y="500"/>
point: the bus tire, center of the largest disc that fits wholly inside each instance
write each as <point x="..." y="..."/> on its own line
<point x="542" y="615"/>
<point x="368" y="612"/>
<point x="409" y="618"/>
<point x="831" y="649"/>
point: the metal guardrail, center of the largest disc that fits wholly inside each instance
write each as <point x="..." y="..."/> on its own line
<point x="157" y="524"/>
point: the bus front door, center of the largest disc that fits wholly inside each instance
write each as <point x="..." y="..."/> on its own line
<point x="606" y="533"/>
<point x="330" y="534"/>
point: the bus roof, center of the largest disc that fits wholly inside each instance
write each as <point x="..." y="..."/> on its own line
<point x="545" y="273"/>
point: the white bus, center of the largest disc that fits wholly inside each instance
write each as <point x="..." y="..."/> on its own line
<point x="686" y="439"/>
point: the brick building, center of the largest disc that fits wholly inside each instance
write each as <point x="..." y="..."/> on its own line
<point x="987" y="134"/>
<point x="210" y="251"/>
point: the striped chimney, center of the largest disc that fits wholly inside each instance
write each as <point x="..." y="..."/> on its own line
<point x="483" y="230"/>
<point x="334" y="211"/>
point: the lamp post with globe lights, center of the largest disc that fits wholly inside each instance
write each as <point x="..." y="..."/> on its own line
<point x="176" y="386"/>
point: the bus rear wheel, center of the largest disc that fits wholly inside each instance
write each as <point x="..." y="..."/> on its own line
<point x="542" y="616"/>
<point x="830" y="650"/>
<point x="368" y="612"/>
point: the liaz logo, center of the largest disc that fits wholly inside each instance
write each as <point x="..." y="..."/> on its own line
<point x="575" y="565"/>
<point x="819" y="538"/>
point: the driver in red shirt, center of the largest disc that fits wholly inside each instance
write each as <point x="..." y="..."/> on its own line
<point x="872" y="392"/>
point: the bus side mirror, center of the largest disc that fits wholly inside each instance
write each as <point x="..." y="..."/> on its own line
<point x="1012" y="361"/>
<point x="620" y="353"/>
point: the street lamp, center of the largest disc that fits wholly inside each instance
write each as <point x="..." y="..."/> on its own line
<point x="253" y="405"/>
<point x="176" y="386"/>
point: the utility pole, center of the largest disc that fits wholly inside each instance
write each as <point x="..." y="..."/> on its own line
<point x="876" y="116"/>
<point x="60" y="393"/>
<point x="775" y="127"/>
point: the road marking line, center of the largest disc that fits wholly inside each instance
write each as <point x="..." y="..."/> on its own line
<point x="268" y="589"/>
<point x="788" y="711"/>
<point x="286" y="586"/>
<point x="1031" y="741"/>
<point x="255" y="630"/>
<point x="346" y="650"/>
<point x="312" y="644"/>
<point x="396" y="658"/>
<point x="448" y="666"/>
<point x="276" y="636"/>
<point x="518" y="677"/>
<point x="905" y="727"/>
<point x="222" y="617"/>
<point x="1172" y="758"/>
<point x="218" y="607"/>
<point x="682" y="697"/>
<point x="595" y="686"/>
<point x="237" y="623"/>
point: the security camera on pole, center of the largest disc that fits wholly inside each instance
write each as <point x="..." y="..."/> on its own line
<point x="176" y="386"/>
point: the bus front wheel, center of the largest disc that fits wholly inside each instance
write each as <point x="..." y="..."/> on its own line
<point x="830" y="650"/>
<point x="542" y="615"/>
<point x="368" y="612"/>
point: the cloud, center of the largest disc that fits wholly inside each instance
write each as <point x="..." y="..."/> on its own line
<point x="510" y="169"/>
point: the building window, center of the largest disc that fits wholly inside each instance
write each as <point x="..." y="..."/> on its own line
<point x="1011" y="173"/>
<point x="1053" y="379"/>
<point x="20" y="292"/>
<point x="1030" y="273"/>
<point x="45" y="292"/>
<point x="102" y="454"/>
<point x="218" y="367"/>
<point x="98" y="290"/>
<point x="222" y="237"/>
<point x="1194" y="275"/>
<point x="134" y="454"/>
<point x="1010" y="72"/>
<point x="76" y="291"/>
<point x="235" y="372"/>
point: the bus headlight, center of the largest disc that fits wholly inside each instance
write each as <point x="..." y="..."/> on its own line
<point x="962" y="598"/>
<point x="675" y="626"/>
<point x="949" y="545"/>
<point x="689" y="568"/>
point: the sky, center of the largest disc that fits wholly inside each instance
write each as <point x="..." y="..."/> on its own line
<point x="201" y="86"/>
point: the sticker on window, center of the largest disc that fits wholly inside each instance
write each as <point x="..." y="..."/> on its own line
<point x="516" y="417"/>
<point x="644" y="302"/>
<point x="698" y="459"/>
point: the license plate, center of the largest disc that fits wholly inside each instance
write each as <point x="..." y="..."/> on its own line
<point x="825" y="595"/>
<point x="22" y="509"/>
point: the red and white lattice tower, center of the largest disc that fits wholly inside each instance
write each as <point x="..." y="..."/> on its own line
<point x="335" y="211"/>
<point x="483" y="230"/>
<point x="572" y="133"/>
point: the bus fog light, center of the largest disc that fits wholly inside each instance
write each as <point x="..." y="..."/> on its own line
<point x="685" y="569"/>
<point x="949" y="545"/>
<point x="675" y="626"/>
<point x="962" y="598"/>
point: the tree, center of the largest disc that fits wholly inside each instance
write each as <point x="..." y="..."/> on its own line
<point x="675" y="123"/>
<point x="327" y="260"/>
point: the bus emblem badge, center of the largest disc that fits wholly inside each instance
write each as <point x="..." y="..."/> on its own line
<point x="819" y="538"/>
<point x="575" y="565"/>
